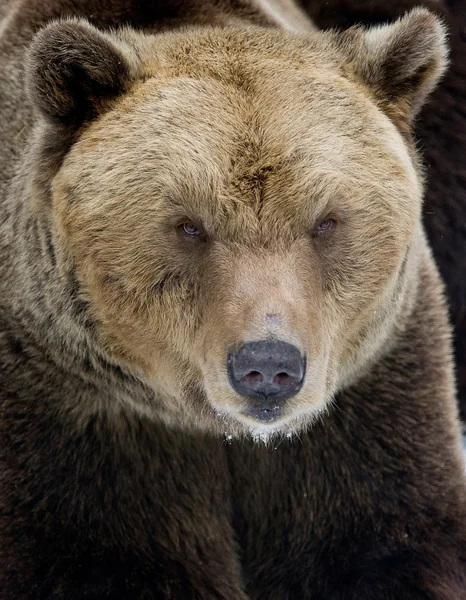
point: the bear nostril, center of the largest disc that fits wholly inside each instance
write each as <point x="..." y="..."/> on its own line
<point x="253" y="377"/>
<point x="284" y="379"/>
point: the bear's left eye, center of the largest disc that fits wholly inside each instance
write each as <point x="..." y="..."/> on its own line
<point x="325" y="227"/>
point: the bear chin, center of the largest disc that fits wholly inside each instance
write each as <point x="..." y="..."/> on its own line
<point x="235" y="425"/>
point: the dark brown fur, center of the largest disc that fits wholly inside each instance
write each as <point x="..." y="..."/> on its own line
<point x="368" y="504"/>
<point x="311" y="516"/>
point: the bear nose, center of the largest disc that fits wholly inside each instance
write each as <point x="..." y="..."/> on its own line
<point x="270" y="370"/>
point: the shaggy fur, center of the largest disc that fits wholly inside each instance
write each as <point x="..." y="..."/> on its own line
<point x="128" y="465"/>
<point x="440" y="129"/>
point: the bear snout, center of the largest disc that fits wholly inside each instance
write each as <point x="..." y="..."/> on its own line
<point x="268" y="372"/>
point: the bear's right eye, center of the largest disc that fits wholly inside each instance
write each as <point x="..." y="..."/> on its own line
<point x="325" y="227"/>
<point x="190" y="229"/>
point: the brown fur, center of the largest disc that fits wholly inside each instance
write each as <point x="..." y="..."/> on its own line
<point x="129" y="469"/>
<point x="440" y="130"/>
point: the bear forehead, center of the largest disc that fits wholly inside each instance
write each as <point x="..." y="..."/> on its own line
<point x="235" y="129"/>
<point x="210" y="130"/>
<point x="293" y="92"/>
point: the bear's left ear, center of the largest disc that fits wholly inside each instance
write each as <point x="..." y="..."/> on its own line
<point x="401" y="63"/>
<point x="74" y="71"/>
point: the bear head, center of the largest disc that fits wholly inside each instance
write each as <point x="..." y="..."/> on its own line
<point x="241" y="206"/>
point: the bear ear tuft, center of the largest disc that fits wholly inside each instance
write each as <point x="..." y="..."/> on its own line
<point x="74" y="70"/>
<point x="401" y="62"/>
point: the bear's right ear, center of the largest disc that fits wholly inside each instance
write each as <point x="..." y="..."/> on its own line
<point x="74" y="71"/>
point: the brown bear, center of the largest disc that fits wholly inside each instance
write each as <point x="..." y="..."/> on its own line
<point x="225" y="360"/>
<point x="441" y="133"/>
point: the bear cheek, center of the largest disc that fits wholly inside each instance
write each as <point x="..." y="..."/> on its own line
<point x="372" y="307"/>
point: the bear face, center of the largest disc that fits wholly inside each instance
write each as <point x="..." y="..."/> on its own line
<point x="241" y="207"/>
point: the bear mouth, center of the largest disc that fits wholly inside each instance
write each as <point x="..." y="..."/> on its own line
<point x="264" y="414"/>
